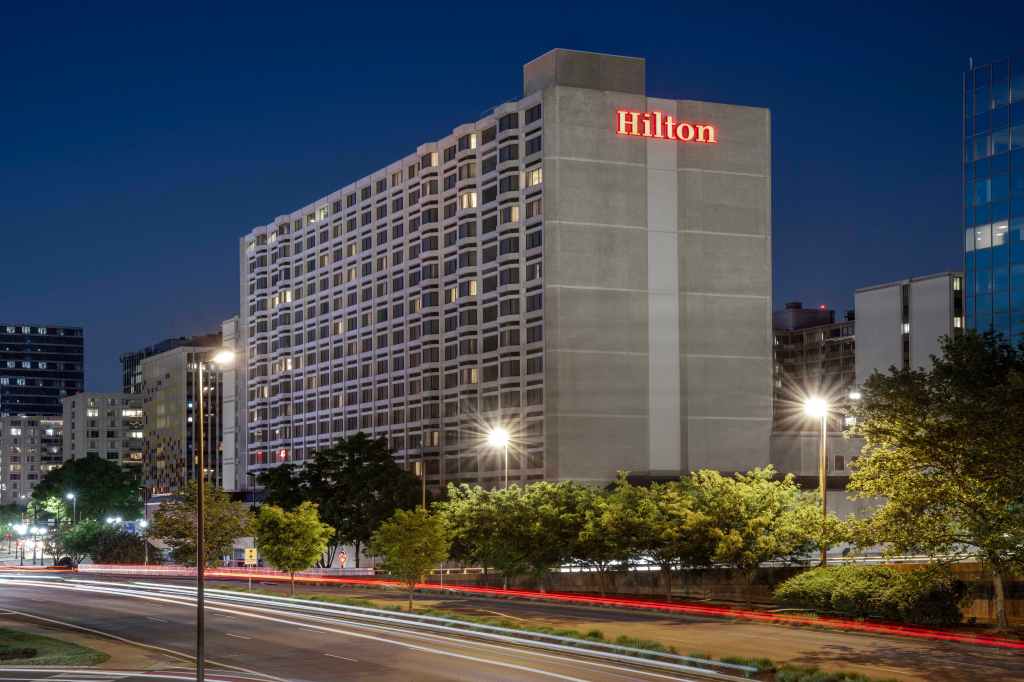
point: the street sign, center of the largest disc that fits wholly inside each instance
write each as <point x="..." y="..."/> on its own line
<point x="250" y="556"/>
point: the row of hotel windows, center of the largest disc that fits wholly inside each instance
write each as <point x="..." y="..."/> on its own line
<point x="467" y="258"/>
<point x="507" y="215"/>
<point x="993" y="86"/>
<point x="429" y="160"/>
<point x="465" y="347"/>
<point x="397" y="387"/>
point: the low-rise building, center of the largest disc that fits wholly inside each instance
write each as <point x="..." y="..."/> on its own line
<point x="107" y="425"/>
<point x="30" y="447"/>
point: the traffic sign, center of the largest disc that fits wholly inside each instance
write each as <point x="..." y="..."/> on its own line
<point x="250" y="556"/>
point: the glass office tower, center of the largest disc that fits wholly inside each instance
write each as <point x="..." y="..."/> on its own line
<point x="993" y="183"/>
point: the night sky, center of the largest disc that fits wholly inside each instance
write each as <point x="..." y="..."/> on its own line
<point x="138" y="143"/>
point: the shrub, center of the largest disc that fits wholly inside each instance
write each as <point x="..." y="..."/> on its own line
<point x="792" y="673"/>
<point x="15" y="653"/>
<point x="923" y="597"/>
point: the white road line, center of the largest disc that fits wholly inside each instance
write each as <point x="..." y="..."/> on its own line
<point x="231" y="634"/>
<point x="344" y="658"/>
<point x="165" y="650"/>
<point x="158" y="620"/>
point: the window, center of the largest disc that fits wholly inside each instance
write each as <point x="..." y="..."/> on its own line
<point x="533" y="145"/>
<point x="534" y="176"/>
<point x="467" y="200"/>
<point x="508" y="121"/>
<point x="509" y="152"/>
<point x="509" y="214"/>
<point x="533" y="114"/>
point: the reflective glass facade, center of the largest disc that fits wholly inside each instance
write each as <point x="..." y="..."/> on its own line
<point x="993" y="190"/>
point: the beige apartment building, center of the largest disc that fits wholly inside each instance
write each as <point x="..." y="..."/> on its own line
<point x="30" y="447"/>
<point x="105" y="425"/>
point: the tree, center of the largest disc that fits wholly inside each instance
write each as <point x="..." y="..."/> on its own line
<point x="944" y="452"/>
<point x="550" y="527"/>
<point x="748" y="519"/>
<point x="101" y="488"/>
<point x="117" y="546"/>
<point x="10" y="516"/>
<point x="292" y="541"/>
<point x="283" y="486"/>
<point x="486" y="527"/>
<point x="175" y="523"/>
<point x="411" y="543"/>
<point x="357" y="485"/>
<point x="81" y="539"/>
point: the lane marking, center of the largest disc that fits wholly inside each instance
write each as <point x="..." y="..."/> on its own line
<point x="344" y="658"/>
<point x="143" y="644"/>
<point x="336" y="618"/>
<point x="158" y="620"/>
<point x="231" y="634"/>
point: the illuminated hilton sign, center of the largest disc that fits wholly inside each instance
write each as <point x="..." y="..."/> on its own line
<point x="662" y="127"/>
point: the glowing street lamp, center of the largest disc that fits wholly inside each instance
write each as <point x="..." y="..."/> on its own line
<point x="498" y="437"/>
<point x="818" y="408"/>
<point x="74" y="507"/>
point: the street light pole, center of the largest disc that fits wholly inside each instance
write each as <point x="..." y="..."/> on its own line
<point x="498" y="437"/>
<point x="818" y="407"/>
<point x="200" y="549"/>
<point x="823" y="481"/>
<point x="222" y="358"/>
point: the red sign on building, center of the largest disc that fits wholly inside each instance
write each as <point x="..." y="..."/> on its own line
<point x="661" y="126"/>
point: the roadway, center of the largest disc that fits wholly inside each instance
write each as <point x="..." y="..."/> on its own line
<point x="286" y="644"/>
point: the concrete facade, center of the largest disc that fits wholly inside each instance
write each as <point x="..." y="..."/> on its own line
<point x="106" y="425"/>
<point x="30" y="447"/>
<point x="605" y="297"/>
<point x="899" y="324"/>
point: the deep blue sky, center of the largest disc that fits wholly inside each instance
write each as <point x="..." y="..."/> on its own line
<point x="138" y="142"/>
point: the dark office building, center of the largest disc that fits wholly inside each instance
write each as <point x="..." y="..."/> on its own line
<point x="39" y="367"/>
<point x="131" y="363"/>
<point x="993" y="184"/>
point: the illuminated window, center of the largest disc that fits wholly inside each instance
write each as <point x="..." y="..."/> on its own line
<point x="468" y="200"/>
<point x="534" y="177"/>
<point x="958" y="322"/>
<point x="92" y="412"/>
<point x="906" y="328"/>
<point x="453" y="294"/>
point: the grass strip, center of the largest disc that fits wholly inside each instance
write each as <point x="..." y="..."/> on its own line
<point x="22" y="648"/>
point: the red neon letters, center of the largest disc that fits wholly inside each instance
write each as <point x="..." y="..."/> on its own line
<point x="662" y="127"/>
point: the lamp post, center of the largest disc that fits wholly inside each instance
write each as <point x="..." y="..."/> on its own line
<point x="222" y="358"/>
<point x="21" y="529"/>
<point x="74" y="507"/>
<point x="818" y="407"/>
<point x="144" y="524"/>
<point x="498" y="438"/>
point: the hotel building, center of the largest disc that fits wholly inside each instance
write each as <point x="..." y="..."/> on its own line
<point x="586" y="266"/>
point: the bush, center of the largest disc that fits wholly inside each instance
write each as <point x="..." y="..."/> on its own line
<point x="923" y="597"/>
<point x="792" y="673"/>
<point x="13" y="653"/>
<point x="122" y="547"/>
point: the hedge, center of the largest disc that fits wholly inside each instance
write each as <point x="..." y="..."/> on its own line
<point x="923" y="597"/>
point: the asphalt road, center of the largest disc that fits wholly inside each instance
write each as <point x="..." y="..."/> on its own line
<point x="881" y="656"/>
<point x="292" y="646"/>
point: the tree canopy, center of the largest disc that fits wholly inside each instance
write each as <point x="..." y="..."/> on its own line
<point x="356" y="485"/>
<point x="175" y="523"/>
<point x="944" y="452"/>
<point x="101" y="488"/>
<point x="291" y="541"/>
<point x="411" y="544"/>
